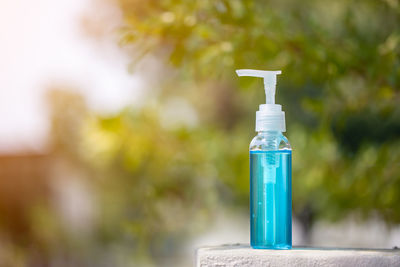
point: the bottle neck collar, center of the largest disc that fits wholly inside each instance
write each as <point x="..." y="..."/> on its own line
<point x="269" y="132"/>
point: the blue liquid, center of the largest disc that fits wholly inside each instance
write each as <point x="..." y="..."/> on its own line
<point x="271" y="199"/>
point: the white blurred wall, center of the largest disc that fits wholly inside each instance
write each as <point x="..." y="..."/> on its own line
<point x="45" y="44"/>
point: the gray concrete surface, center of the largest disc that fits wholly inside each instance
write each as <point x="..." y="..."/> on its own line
<point x="243" y="255"/>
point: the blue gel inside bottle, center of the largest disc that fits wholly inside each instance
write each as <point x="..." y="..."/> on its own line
<point x="271" y="199"/>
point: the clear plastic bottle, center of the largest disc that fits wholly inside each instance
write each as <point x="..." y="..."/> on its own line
<point x="270" y="172"/>
<point x="270" y="191"/>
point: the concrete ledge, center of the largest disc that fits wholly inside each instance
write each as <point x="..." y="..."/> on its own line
<point x="244" y="255"/>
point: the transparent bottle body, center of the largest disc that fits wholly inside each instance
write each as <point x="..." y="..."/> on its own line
<point x="270" y="191"/>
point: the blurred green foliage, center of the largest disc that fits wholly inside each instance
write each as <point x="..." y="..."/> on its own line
<point x="157" y="185"/>
<point x="339" y="88"/>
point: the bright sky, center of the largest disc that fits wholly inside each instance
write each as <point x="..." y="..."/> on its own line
<point x="42" y="43"/>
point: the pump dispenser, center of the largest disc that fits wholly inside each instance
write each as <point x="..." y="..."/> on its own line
<point x="270" y="116"/>
<point x="270" y="172"/>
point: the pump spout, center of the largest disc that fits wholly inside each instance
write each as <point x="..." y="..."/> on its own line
<point x="269" y="81"/>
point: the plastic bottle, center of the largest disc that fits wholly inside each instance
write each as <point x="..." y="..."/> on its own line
<point x="270" y="172"/>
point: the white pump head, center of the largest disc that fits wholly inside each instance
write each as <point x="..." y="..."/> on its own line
<point x="270" y="117"/>
<point x="269" y="81"/>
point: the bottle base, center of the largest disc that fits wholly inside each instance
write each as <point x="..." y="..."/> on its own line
<point x="278" y="247"/>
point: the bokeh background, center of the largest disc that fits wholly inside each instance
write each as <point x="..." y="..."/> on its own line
<point x="124" y="129"/>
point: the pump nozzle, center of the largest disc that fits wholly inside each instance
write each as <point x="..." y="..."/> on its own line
<point x="270" y="117"/>
<point x="269" y="81"/>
